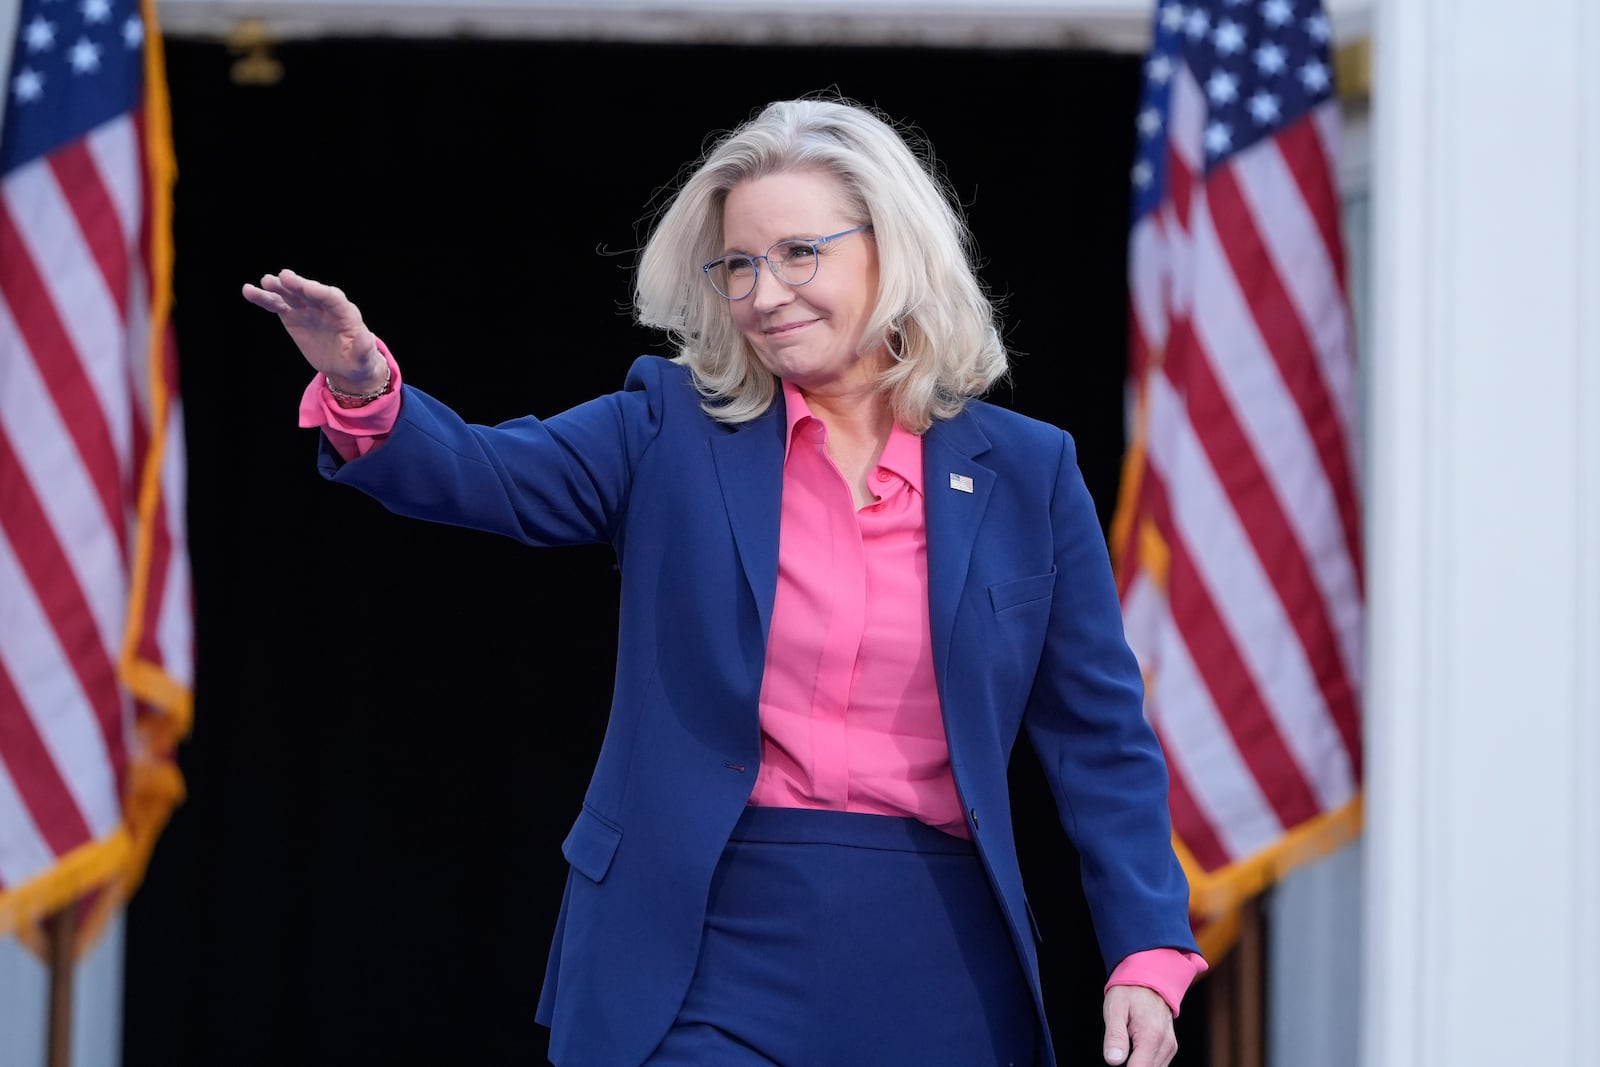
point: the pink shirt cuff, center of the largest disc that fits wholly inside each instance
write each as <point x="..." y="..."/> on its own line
<point x="353" y="432"/>
<point x="1167" y="971"/>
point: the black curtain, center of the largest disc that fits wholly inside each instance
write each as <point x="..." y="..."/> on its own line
<point x="388" y="749"/>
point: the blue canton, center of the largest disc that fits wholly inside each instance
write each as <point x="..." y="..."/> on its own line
<point x="1261" y="64"/>
<point x="76" y="65"/>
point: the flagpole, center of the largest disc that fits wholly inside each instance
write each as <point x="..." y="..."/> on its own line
<point x="1236" y="1006"/>
<point x="61" y="929"/>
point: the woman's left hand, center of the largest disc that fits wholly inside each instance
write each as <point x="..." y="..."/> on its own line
<point x="1134" y="1013"/>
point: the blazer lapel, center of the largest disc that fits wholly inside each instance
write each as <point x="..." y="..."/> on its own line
<point x="749" y="463"/>
<point x="949" y="470"/>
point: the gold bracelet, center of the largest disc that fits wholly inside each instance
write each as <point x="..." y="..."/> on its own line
<point x="388" y="380"/>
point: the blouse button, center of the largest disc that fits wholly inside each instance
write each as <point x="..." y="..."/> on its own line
<point x="882" y="476"/>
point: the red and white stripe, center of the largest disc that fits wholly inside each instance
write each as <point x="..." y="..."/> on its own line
<point x="75" y="435"/>
<point x="1243" y="374"/>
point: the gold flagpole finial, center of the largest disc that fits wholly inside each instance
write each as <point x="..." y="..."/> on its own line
<point x="256" y="65"/>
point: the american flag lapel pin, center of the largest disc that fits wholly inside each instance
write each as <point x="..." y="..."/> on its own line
<point x="961" y="482"/>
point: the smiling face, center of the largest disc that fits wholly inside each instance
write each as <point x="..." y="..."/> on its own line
<point x="808" y="334"/>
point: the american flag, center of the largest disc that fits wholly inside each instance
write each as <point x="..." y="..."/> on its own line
<point x="1238" y="533"/>
<point x="96" y="658"/>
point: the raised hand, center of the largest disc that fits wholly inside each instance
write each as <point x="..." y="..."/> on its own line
<point x="326" y="326"/>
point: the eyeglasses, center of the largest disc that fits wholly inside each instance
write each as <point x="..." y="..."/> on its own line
<point x="792" y="262"/>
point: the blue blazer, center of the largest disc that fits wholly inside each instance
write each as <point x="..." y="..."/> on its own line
<point x="1027" y="635"/>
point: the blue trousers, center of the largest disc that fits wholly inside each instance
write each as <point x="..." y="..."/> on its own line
<point x="835" y="939"/>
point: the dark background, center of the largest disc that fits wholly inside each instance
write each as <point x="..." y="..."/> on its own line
<point x="389" y="744"/>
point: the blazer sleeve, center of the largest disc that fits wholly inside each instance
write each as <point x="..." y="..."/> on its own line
<point x="1085" y="718"/>
<point x="561" y="480"/>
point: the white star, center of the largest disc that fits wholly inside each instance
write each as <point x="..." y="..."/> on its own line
<point x="1270" y="59"/>
<point x="29" y="86"/>
<point x="95" y="10"/>
<point x="1141" y="174"/>
<point x="84" y="56"/>
<point x="1159" y="69"/>
<point x="1264" y="108"/>
<point x="1150" y="122"/>
<point x="39" y="34"/>
<point x="1198" y="23"/>
<point x="1314" y="76"/>
<point x="1318" y="29"/>
<point x="1229" y="37"/>
<point x="1222" y="88"/>
<point x="1219" y="138"/>
<point x="133" y="32"/>
<point x="1277" y="12"/>
<point x="1172" y="17"/>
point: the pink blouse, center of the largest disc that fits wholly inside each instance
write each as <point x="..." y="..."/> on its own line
<point x="850" y="715"/>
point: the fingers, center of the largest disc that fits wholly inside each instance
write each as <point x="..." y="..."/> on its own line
<point x="263" y="299"/>
<point x="304" y="291"/>
<point x="277" y="293"/>
<point x="1138" y="1028"/>
<point x="1115" y="1047"/>
<point x="294" y="292"/>
<point x="309" y="308"/>
<point x="1153" y="1049"/>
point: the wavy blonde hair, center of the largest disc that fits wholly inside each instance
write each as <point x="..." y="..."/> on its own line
<point x="932" y="313"/>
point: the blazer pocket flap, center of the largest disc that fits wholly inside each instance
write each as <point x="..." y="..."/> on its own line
<point x="591" y="844"/>
<point x="1009" y="594"/>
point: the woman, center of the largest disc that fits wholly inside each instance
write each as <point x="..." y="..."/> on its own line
<point x="847" y="584"/>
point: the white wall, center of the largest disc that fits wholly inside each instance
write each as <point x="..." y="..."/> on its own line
<point x="1314" y="964"/>
<point x="1481" y="927"/>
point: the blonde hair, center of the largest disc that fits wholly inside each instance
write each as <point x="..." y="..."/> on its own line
<point x="932" y="313"/>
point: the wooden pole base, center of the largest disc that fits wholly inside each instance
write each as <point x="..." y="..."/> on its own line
<point x="1237" y="1000"/>
<point x="62" y="931"/>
